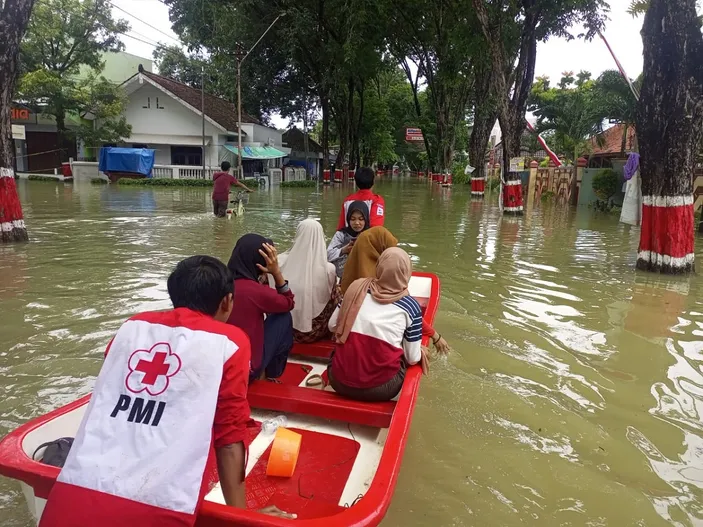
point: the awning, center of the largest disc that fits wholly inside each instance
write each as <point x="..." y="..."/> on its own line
<point x="257" y="152"/>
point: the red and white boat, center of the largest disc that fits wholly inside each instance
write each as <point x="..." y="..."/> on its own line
<point x="349" y="459"/>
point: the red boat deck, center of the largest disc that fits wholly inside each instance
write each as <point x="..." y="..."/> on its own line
<point x="324" y="464"/>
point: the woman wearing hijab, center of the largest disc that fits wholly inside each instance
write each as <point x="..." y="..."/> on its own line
<point x="362" y="264"/>
<point x="378" y="330"/>
<point x="313" y="281"/>
<point x="343" y="241"/>
<point x="252" y="259"/>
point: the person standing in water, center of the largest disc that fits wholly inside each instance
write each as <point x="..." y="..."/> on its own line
<point x="221" y="183"/>
<point x="343" y="241"/>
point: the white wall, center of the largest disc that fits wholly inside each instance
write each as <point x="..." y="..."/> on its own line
<point x="170" y="118"/>
<point x="169" y="123"/>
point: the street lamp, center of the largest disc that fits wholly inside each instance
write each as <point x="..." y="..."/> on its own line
<point x="241" y="55"/>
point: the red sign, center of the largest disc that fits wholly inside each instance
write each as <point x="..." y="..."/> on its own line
<point x="20" y="114"/>
<point x="414" y="135"/>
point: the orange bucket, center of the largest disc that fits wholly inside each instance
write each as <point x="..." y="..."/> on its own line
<point x="284" y="453"/>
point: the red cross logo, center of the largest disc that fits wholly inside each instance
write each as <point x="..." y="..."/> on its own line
<point x="150" y="370"/>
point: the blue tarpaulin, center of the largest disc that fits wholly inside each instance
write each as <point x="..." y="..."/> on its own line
<point x="131" y="160"/>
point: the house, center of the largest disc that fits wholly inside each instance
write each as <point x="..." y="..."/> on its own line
<point x="295" y="140"/>
<point x="167" y="117"/>
<point x="607" y="146"/>
<point x="36" y="141"/>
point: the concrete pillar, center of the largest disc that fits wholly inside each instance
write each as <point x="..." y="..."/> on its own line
<point x="532" y="185"/>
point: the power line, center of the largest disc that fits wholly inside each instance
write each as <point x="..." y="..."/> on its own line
<point x="145" y="23"/>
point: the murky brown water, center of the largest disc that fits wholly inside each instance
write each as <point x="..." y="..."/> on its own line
<point x="573" y="396"/>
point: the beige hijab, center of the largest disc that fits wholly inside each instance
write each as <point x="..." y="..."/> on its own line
<point x="310" y="276"/>
<point x="393" y="272"/>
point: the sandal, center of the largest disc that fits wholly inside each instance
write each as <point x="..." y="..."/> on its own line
<point x="314" y="381"/>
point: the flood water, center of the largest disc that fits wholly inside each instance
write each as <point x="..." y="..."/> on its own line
<point x="572" y="397"/>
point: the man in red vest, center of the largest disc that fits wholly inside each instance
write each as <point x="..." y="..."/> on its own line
<point x="173" y="387"/>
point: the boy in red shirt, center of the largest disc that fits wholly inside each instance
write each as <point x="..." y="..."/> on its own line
<point x="173" y="387"/>
<point x="221" y="182"/>
<point x="364" y="178"/>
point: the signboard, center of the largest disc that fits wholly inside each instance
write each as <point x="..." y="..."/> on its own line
<point x="517" y="164"/>
<point x="20" y="114"/>
<point x="18" y="132"/>
<point x="414" y="135"/>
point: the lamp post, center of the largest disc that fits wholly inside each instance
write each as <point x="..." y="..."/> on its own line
<point x="241" y="56"/>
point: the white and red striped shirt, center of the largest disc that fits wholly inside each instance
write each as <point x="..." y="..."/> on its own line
<point x="173" y="385"/>
<point x="381" y="336"/>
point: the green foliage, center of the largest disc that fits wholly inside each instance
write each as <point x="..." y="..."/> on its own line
<point x="573" y="112"/>
<point x="99" y="181"/>
<point x="299" y="184"/>
<point x="605" y="184"/>
<point x="493" y="183"/>
<point x="43" y="178"/>
<point x="547" y="196"/>
<point x="459" y="175"/>
<point x="63" y="36"/>
<point x="164" y="182"/>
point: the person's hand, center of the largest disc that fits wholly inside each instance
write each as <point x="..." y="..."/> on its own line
<point x="441" y="345"/>
<point x="272" y="510"/>
<point x="425" y="360"/>
<point x="250" y="190"/>
<point x="270" y="255"/>
<point x="348" y="248"/>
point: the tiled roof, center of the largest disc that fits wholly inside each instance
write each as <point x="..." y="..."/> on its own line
<point x="612" y="141"/>
<point x="295" y="140"/>
<point x="219" y="110"/>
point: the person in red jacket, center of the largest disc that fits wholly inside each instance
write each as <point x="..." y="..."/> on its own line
<point x="253" y="259"/>
<point x="168" y="413"/>
<point x="221" y="182"/>
<point x="364" y="178"/>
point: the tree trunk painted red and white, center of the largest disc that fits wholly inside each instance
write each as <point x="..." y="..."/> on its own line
<point x="669" y="130"/>
<point x="14" y="17"/>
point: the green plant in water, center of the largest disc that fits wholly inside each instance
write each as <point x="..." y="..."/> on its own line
<point x="493" y="183"/>
<point x="547" y="196"/>
<point x="165" y="182"/>
<point x="605" y="184"/>
<point x="299" y="184"/>
<point x="43" y="178"/>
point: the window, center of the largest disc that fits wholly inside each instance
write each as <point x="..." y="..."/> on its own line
<point x="187" y="155"/>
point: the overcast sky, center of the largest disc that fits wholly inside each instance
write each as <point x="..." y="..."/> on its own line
<point x="553" y="57"/>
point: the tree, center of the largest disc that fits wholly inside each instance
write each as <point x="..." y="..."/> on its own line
<point x="512" y="30"/>
<point x="14" y="17"/>
<point x="669" y="131"/>
<point x="439" y="39"/>
<point x="618" y="101"/>
<point x="63" y="36"/>
<point x="574" y="111"/>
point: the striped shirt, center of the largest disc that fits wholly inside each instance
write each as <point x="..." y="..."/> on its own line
<point x="382" y="335"/>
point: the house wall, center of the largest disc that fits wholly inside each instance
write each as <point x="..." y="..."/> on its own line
<point x="168" y="123"/>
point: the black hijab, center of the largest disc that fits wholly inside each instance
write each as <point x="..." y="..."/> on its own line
<point x="357" y="206"/>
<point x="246" y="255"/>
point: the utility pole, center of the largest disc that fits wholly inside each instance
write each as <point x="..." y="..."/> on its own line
<point x="241" y="56"/>
<point x="202" y="110"/>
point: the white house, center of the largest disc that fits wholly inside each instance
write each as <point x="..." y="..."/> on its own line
<point x="166" y="116"/>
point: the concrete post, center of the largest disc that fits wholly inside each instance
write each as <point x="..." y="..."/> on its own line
<point x="532" y="185"/>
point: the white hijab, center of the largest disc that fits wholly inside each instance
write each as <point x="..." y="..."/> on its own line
<point x="310" y="276"/>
